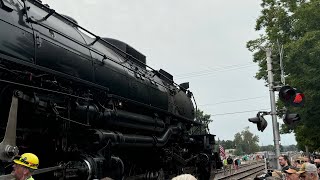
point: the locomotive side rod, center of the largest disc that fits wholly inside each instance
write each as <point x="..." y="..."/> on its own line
<point x="49" y="169"/>
<point x="39" y="171"/>
<point x="8" y="148"/>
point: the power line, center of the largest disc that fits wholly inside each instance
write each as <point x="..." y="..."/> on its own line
<point x="214" y="69"/>
<point x="239" y="112"/>
<point x="208" y="73"/>
<point x="237" y="100"/>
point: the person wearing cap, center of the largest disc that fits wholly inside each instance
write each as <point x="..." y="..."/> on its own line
<point x="292" y="174"/>
<point x="284" y="162"/>
<point x="24" y="166"/>
<point x="308" y="172"/>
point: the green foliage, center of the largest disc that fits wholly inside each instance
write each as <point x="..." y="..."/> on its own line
<point x="246" y="142"/>
<point x="228" y="144"/>
<point x="295" y="24"/>
<point x="283" y="148"/>
<point x="239" y="152"/>
<point x="205" y="120"/>
<point x="267" y="148"/>
<point x="290" y="148"/>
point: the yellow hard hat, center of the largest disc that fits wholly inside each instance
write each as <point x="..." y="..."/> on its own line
<point x="28" y="160"/>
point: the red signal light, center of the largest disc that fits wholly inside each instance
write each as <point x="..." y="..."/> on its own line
<point x="291" y="96"/>
<point x="299" y="98"/>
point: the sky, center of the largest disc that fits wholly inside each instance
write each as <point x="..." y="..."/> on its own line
<point x="200" y="42"/>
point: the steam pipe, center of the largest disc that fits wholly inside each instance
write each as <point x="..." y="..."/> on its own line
<point x="137" y="140"/>
<point x="133" y="117"/>
<point x="119" y="118"/>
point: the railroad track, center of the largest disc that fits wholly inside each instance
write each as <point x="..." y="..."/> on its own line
<point x="244" y="172"/>
<point x="219" y="171"/>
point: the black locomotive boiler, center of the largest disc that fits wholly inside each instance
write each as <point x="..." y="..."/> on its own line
<point x="89" y="106"/>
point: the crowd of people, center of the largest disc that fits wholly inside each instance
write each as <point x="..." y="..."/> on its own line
<point x="301" y="168"/>
<point x="25" y="164"/>
<point x="304" y="169"/>
<point x="230" y="164"/>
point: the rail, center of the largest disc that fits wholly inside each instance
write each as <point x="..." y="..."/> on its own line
<point x="244" y="171"/>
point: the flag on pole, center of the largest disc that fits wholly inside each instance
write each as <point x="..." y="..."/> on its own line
<point x="222" y="152"/>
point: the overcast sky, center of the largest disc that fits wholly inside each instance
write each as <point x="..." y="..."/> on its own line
<point x="202" y="42"/>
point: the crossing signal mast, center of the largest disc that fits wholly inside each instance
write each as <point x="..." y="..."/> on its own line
<point x="288" y="95"/>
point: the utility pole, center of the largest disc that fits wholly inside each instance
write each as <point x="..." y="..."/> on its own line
<point x="273" y="113"/>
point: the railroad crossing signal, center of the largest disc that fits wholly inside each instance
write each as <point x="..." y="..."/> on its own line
<point x="260" y="121"/>
<point x="291" y="96"/>
<point x="291" y="119"/>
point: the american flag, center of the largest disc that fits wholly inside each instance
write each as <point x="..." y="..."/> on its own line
<point x="222" y="152"/>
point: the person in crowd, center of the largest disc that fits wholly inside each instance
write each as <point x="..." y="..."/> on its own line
<point x="225" y="166"/>
<point x="24" y="166"/>
<point x="308" y="171"/>
<point x="184" y="177"/>
<point x="306" y="159"/>
<point x="297" y="164"/>
<point x="277" y="174"/>
<point x="284" y="162"/>
<point x="236" y="164"/>
<point x="230" y="163"/>
<point x="292" y="174"/>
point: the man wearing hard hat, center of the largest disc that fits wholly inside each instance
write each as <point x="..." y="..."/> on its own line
<point x="24" y="166"/>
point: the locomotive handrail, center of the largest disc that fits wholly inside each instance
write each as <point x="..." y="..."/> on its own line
<point x="51" y="12"/>
<point x="43" y="89"/>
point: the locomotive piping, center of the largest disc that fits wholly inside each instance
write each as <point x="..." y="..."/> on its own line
<point x="154" y="108"/>
<point x="119" y="139"/>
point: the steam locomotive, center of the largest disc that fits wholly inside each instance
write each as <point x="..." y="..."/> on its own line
<point x="89" y="106"/>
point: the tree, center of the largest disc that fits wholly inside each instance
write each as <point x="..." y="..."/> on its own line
<point x="205" y="120"/>
<point x="290" y="148"/>
<point x="228" y="144"/>
<point x="246" y="142"/>
<point x="267" y="148"/>
<point x="283" y="148"/>
<point x="296" y="26"/>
